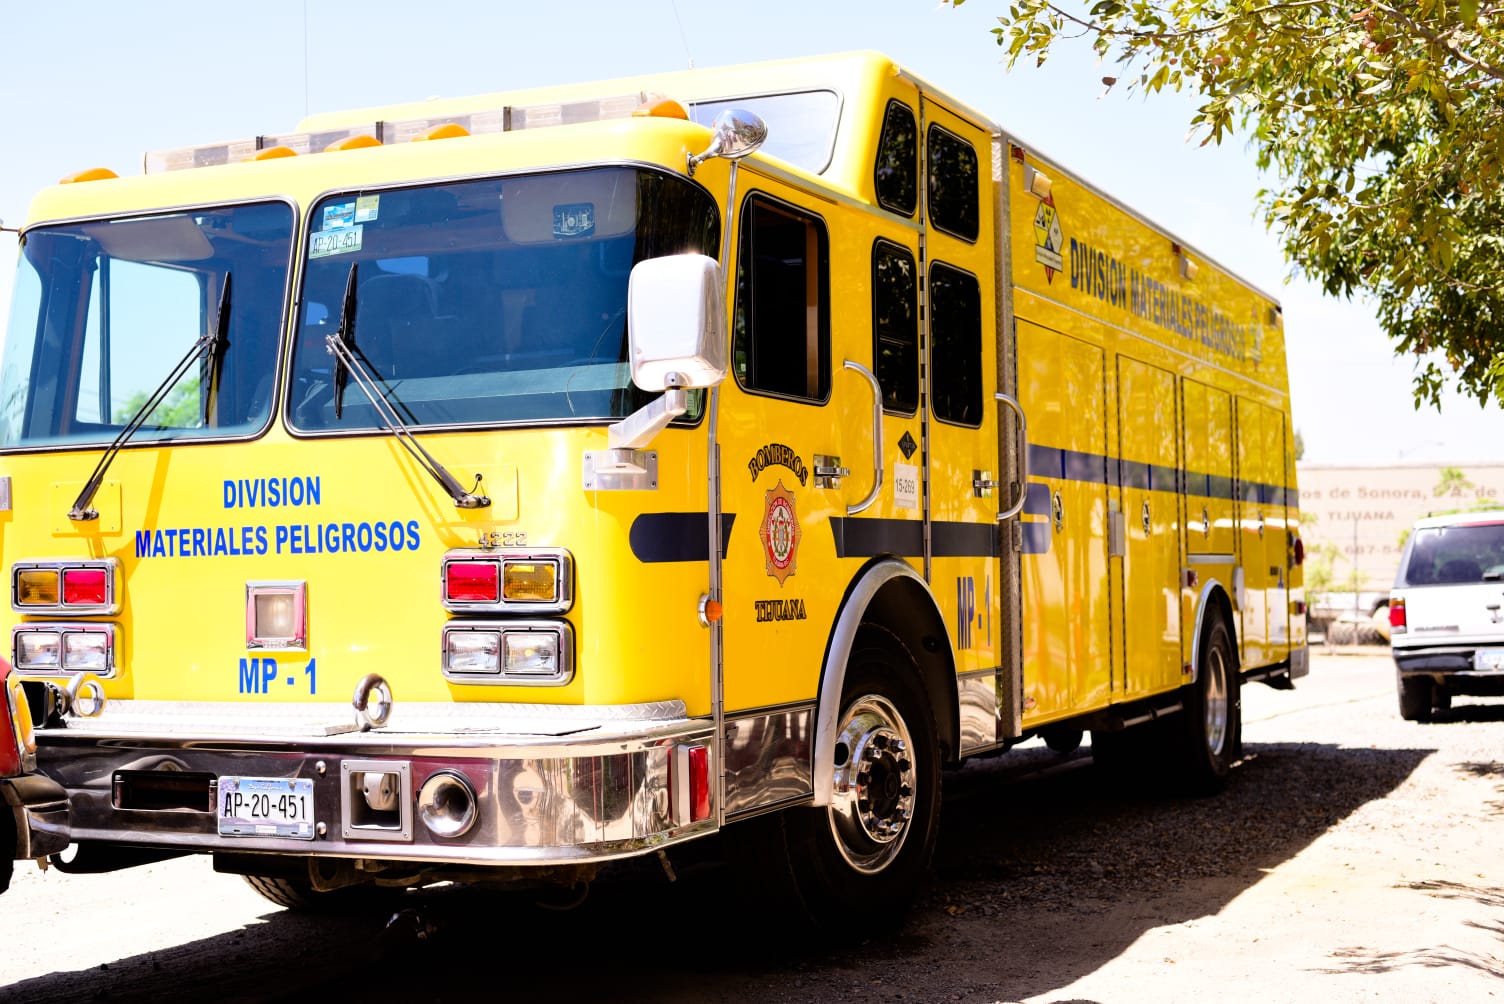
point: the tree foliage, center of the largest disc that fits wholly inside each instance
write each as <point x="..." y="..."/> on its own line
<point x="1383" y="123"/>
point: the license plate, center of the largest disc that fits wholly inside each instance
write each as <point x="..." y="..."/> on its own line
<point x="1489" y="658"/>
<point x="266" y="807"/>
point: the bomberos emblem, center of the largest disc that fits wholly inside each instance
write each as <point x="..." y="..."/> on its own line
<point x="780" y="533"/>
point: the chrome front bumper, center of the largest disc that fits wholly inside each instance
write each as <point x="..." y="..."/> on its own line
<point x="553" y="785"/>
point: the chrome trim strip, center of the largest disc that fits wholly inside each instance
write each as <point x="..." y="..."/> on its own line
<point x="40" y="810"/>
<point x="979" y="709"/>
<point x="768" y="759"/>
<point x="1201" y="607"/>
<point x="1209" y="559"/>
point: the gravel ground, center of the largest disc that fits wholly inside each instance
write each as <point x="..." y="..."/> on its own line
<point x="1353" y="857"/>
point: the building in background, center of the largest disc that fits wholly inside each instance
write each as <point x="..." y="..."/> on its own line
<point x="1354" y="520"/>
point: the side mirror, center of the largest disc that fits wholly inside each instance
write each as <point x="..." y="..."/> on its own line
<point x="676" y="323"/>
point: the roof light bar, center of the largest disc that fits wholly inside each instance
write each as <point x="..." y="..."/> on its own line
<point x="493" y="120"/>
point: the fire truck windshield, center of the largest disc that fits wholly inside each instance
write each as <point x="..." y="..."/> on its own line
<point x="100" y="309"/>
<point x="486" y="302"/>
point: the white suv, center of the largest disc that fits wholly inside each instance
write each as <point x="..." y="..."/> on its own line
<point x="1446" y="612"/>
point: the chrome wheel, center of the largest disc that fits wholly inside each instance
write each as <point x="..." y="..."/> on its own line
<point x="872" y="800"/>
<point x="1215" y="707"/>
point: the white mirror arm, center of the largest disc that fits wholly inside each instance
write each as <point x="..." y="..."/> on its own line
<point x="639" y="428"/>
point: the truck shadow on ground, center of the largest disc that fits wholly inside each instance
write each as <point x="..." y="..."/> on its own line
<point x="1032" y="844"/>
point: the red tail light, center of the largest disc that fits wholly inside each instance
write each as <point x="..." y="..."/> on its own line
<point x="85" y="586"/>
<point x="472" y="581"/>
<point x="699" y="783"/>
<point x="1397" y="613"/>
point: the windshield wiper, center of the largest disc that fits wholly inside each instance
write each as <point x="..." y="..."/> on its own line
<point x="82" y="510"/>
<point x="349" y="363"/>
<point x="216" y="355"/>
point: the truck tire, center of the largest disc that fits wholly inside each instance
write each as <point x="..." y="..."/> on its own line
<point x="1417" y="697"/>
<point x="300" y="895"/>
<point x="1212" y="722"/>
<point x="7" y="847"/>
<point x="849" y="868"/>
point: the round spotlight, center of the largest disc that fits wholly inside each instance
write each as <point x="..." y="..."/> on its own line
<point x="446" y="804"/>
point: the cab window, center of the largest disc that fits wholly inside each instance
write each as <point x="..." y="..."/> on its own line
<point x="895" y="326"/>
<point x="781" y="329"/>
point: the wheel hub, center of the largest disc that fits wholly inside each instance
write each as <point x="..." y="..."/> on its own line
<point x="874" y="784"/>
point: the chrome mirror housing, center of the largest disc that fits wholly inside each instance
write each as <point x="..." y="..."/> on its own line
<point x="735" y="133"/>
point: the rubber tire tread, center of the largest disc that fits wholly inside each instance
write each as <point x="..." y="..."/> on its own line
<point x="1417" y="698"/>
<point x="302" y="897"/>
<point x="787" y="862"/>
<point x="7" y="846"/>
<point x="1203" y="772"/>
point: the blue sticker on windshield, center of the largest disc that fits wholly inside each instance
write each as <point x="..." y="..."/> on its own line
<point x="341" y="214"/>
<point x="577" y="219"/>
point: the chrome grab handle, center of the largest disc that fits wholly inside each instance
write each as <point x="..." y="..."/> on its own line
<point x="877" y="438"/>
<point x="1023" y="458"/>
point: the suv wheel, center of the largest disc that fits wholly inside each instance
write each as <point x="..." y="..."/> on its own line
<point x="1416" y="698"/>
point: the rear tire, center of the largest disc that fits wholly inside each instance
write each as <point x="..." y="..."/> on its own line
<point x="1212" y="726"/>
<point x="851" y="867"/>
<point x="1417" y="697"/>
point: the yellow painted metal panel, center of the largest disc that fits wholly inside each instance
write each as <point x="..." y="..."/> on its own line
<point x="1151" y="510"/>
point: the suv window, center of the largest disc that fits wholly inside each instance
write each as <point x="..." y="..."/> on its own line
<point x="1449" y="555"/>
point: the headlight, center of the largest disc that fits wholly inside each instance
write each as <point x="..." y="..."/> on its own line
<point x="527" y="653"/>
<point x="64" y="648"/>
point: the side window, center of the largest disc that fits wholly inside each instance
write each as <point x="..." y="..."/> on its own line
<point x="895" y="326"/>
<point x="956" y="345"/>
<point x="952" y="184"/>
<point x="781" y="331"/>
<point x="895" y="177"/>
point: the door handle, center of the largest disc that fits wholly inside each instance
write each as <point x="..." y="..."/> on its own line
<point x="1023" y="458"/>
<point x="877" y="438"/>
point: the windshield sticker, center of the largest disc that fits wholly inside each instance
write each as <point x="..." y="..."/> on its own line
<point x="340" y="214"/>
<point x="328" y="242"/>
<point x="366" y="208"/>
<point x="577" y="219"/>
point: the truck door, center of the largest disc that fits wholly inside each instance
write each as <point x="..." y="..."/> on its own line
<point x="965" y="478"/>
<point x="783" y="419"/>
<point x="1261" y="521"/>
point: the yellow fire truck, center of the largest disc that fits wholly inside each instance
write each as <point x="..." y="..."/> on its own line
<point x="485" y="489"/>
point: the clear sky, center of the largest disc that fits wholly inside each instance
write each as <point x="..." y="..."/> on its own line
<point x="96" y="83"/>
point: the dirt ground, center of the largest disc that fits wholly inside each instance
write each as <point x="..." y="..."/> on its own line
<point x="1353" y="857"/>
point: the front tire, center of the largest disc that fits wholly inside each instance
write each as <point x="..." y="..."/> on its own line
<point x="851" y="867"/>
<point x="299" y="895"/>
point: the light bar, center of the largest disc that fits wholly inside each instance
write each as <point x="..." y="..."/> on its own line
<point x="491" y="120"/>
<point x="507" y="580"/>
<point x="55" y="649"/>
<point x="70" y="587"/>
<point x="509" y="653"/>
